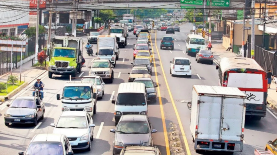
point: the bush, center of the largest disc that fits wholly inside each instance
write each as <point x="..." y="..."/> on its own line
<point x="2" y="87"/>
<point x="12" y="79"/>
<point x="41" y="57"/>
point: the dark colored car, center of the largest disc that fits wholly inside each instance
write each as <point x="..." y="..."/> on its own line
<point x="132" y="130"/>
<point x="204" y="55"/>
<point x="177" y="28"/>
<point x="25" y="110"/>
<point x="150" y="88"/>
<point x="170" y="30"/>
<point x="167" y="42"/>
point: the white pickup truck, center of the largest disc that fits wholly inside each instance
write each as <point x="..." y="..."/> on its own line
<point x="217" y="118"/>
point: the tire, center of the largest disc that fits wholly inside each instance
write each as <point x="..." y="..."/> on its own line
<point x="7" y="124"/>
<point x="94" y="109"/>
<point x="42" y="117"/>
<point x="161" y="47"/>
<point x="74" y="74"/>
<point x="50" y="75"/>
<point x="36" y="121"/>
<point x="79" y="68"/>
<point x="91" y="138"/>
<point x="212" y="62"/>
<point x="172" y="48"/>
<point x="116" y="58"/>
<point x="103" y="93"/>
<point x="189" y="76"/>
<point x="115" y="122"/>
<point x="198" y="61"/>
<point x="195" y="59"/>
<point x="89" y="148"/>
<point x="170" y="71"/>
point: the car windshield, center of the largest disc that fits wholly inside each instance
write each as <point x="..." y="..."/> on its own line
<point x="144" y="34"/>
<point x="143" y="54"/>
<point x="182" y="62"/>
<point x="100" y="65"/>
<point x="142" y="47"/>
<point x="131" y="99"/>
<point x="169" y="29"/>
<point x="116" y="30"/>
<point x="133" y="127"/>
<point x="105" y="52"/>
<point x="139" y="27"/>
<point x="142" y="42"/>
<point x="148" y="83"/>
<point x="77" y="92"/>
<point x="23" y="103"/>
<point x="167" y="39"/>
<point x="45" y="148"/>
<point x="139" y="71"/>
<point x="72" y="122"/>
<point x="141" y="61"/>
<point x="92" y="80"/>
<point x="197" y="41"/>
<point x="69" y="53"/>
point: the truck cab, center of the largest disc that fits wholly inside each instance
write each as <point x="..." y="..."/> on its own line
<point x="107" y="53"/>
<point x="78" y="96"/>
<point x="121" y="35"/>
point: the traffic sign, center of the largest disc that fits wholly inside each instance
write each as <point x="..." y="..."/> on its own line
<point x="220" y="3"/>
<point x="192" y="2"/>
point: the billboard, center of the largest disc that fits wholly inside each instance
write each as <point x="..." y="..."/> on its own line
<point x="33" y="4"/>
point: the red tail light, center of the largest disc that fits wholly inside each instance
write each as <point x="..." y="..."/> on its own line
<point x="211" y="56"/>
<point x="201" y="55"/>
<point x="205" y="143"/>
<point x="231" y="144"/>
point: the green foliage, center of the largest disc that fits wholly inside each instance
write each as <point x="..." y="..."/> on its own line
<point x="148" y="13"/>
<point x="191" y="13"/>
<point x="105" y="15"/>
<point x="239" y="14"/>
<point x="10" y="88"/>
<point x="212" y="25"/>
<point x="98" y="20"/>
<point x="31" y="31"/>
<point x="9" y="38"/>
<point x="12" y="79"/>
<point x="68" y="29"/>
<point x="2" y="87"/>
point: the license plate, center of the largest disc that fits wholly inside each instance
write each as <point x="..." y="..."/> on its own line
<point x="217" y="145"/>
<point x="17" y="120"/>
<point x="181" y="68"/>
<point x="166" y="43"/>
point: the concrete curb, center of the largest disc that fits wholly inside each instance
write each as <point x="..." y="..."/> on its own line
<point x="272" y="105"/>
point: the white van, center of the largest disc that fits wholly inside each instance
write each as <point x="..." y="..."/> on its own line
<point x="195" y="43"/>
<point x="180" y="66"/>
<point x="131" y="99"/>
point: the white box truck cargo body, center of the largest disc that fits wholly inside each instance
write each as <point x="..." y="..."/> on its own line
<point x="106" y="43"/>
<point x="217" y="118"/>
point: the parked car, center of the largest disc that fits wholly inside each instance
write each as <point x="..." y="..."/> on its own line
<point x="180" y="66"/>
<point x="167" y="42"/>
<point x="204" y="55"/>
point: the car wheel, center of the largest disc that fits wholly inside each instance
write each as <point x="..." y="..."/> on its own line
<point x="103" y="93"/>
<point x="170" y="71"/>
<point x="212" y="62"/>
<point x="116" y="57"/>
<point x="7" y="124"/>
<point x="198" y="61"/>
<point x="74" y="74"/>
<point x="50" y="75"/>
<point x="189" y="76"/>
<point x="36" y="121"/>
<point x="91" y="138"/>
<point x="89" y="147"/>
<point x="94" y="109"/>
<point x="42" y="117"/>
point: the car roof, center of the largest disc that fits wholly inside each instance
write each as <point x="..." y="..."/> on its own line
<point x="181" y="58"/>
<point x="139" y="67"/>
<point x="133" y="87"/>
<point x="48" y="137"/>
<point x="195" y="36"/>
<point x="74" y="113"/>
<point x="77" y="83"/>
<point x="134" y="118"/>
<point x="143" y="51"/>
<point x="142" y="58"/>
<point x="143" y="79"/>
<point x="167" y="37"/>
<point x="140" y="150"/>
<point x="142" y="45"/>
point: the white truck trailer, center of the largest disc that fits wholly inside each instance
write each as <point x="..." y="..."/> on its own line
<point x="217" y="118"/>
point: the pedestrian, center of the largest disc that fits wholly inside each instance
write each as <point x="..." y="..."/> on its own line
<point x="269" y="78"/>
<point x="210" y="46"/>
<point x="229" y="48"/>
<point x="245" y="48"/>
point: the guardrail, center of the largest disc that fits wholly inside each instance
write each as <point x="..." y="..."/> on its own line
<point x="100" y="28"/>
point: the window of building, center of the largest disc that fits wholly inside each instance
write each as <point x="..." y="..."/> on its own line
<point x="12" y="32"/>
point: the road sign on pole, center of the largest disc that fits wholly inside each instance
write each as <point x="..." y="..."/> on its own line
<point x="220" y="3"/>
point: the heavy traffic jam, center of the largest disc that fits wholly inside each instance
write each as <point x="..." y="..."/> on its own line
<point x="217" y="113"/>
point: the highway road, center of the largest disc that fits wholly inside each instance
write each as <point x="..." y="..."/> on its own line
<point x="170" y="107"/>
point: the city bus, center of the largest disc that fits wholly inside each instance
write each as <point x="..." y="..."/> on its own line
<point x="249" y="77"/>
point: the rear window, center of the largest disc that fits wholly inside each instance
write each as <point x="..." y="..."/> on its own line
<point x="45" y="148"/>
<point x="130" y="99"/>
<point x="169" y="29"/>
<point x="182" y="62"/>
<point x="167" y="39"/>
<point x="205" y="52"/>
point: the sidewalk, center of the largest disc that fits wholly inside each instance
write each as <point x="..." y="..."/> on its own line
<point x="219" y="52"/>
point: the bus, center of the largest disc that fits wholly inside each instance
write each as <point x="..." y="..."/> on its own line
<point x="194" y="44"/>
<point x="249" y="77"/>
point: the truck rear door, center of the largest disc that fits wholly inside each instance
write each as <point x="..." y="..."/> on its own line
<point x="232" y="121"/>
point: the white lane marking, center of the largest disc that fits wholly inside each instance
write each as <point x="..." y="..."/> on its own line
<point x="178" y="44"/>
<point x="198" y="76"/>
<point x="112" y="96"/>
<point x="128" y="43"/>
<point x="123" y="60"/>
<point x="271" y="113"/>
<point x="184" y="52"/>
<point x="244" y="141"/>
<point x="100" y="129"/>
<point x="37" y="127"/>
<point x="81" y="74"/>
<point x="170" y="51"/>
<point x="119" y="74"/>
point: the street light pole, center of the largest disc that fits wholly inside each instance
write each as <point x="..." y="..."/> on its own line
<point x="264" y="21"/>
<point x="243" y="34"/>
<point x="37" y="31"/>
<point x="21" y="58"/>
<point x="253" y="30"/>
<point x="210" y="24"/>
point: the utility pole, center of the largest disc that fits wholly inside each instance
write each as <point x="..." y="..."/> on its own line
<point x="253" y="30"/>
<point x="49" y="29"/>
<point x="204" y="15"/>
<point x="74" y="20"/>
<point x="243" y="34"/>
<point x="210" y="24"/>
<point x="37" y="31"/>
<point x="264" y="24"/>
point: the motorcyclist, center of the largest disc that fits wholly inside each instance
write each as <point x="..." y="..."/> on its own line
<point x="38" y="84"/>
<point x="89" y="47"/>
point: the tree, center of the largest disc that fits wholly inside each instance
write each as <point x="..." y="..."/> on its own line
<point x="12" y="79"/>
<point x="148" y="13"/>
<point x="106" y="15"/>
<point x="41" y="57"/>
<point x="31" y="31"/>
<point x="2" y="87"/>
<point x="98" y="20"/>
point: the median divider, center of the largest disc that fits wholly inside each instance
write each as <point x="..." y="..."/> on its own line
<point x="175" y="143"/>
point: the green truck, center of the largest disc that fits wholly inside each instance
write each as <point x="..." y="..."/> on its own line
<point x="67" y="56"/>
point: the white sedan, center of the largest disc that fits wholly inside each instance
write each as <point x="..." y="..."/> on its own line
<point x="98" y="82"/>
<point x="180" y="66"/>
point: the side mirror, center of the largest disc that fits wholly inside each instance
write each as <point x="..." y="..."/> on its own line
<point x="58" y="96"/>
<point x="170" y="62"/>
<point x="92" y="125"/>
<point x="216" y="67"/>
<point x="154" y="131"/>
<point x="94" y="95"/>
<point x="112" y="130"/>
<point x="52" y="124"/>
<point x="269" y="142"/>
<point x="113" y="101"/>
<point x="8" y="105"/>
<point x="21" y="153"/>
<point x="38" y="106"/>
<point x="189" y="105"/>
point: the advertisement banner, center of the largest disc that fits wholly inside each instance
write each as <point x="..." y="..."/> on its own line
<point x="33" y="4"/>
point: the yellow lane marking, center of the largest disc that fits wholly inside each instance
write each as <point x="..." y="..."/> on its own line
<point x="172" y="101"/>
<point x="161" y="104"/>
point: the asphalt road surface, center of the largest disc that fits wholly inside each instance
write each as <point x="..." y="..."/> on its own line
<point x="170" y="108"/>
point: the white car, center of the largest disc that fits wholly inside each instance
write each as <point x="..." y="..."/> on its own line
<point x="96" y="81"/>
<point x="180" y="66"/>
<point x="78" y="127"/>
<point x="54" y="144"/>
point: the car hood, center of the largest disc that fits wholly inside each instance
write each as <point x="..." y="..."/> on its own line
<point x="100" y="69"/>
<point x="20" y="111"/>
<point x="108" y="57"/>
<point x="69" y="132"/>
<point x="93" y="36"/>
<point x="150" y="90"/>
<point x="132" y="138"/>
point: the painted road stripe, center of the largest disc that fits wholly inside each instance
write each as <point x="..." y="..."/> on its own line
<point x="184" y="52"/>
<point x="81" y="74"/>
<point x="198" y="76"/>
<point x="112" y="96"/>
<point x="170" y="51"/>
<point x="100" y="129"/>
<point x="37" y="127"/>
<point x="119" y="74"/>
<point x="271" y="113"/>
<point x="123" y="60"/>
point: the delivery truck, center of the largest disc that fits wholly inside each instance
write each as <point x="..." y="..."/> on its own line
<point x="217" y="118"/>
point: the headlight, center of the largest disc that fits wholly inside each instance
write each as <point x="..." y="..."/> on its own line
<point x="69" y="66"/>
<point x="118" y="145"/>
<point x="107" y="72"/>
<point x="118" y="113"/>
<point x="89" y="109"/>
<point x="85" y="137"/>
<point x="30" y="116"/>
<point x="143" y="113"/>
<point x="7" y="115"/>
<point x="152" y="94"/>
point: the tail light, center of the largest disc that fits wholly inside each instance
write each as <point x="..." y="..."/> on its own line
<point x="173" y="66"/>
<point x="231" y="144"/>
<point x="259" y="108"/>
<point x="201" y="55"/>
<point x="205" y="143"/>
<point x="211" y="56"/>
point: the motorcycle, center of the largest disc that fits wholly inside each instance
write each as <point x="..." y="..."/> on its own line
<point x="89" y="51"/>
<point x="38" y="93"/>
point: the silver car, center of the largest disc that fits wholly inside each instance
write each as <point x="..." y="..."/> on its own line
<point x="78" y="127"/>
<point x="204" y="55"/>
<point x="96" y="81"/>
